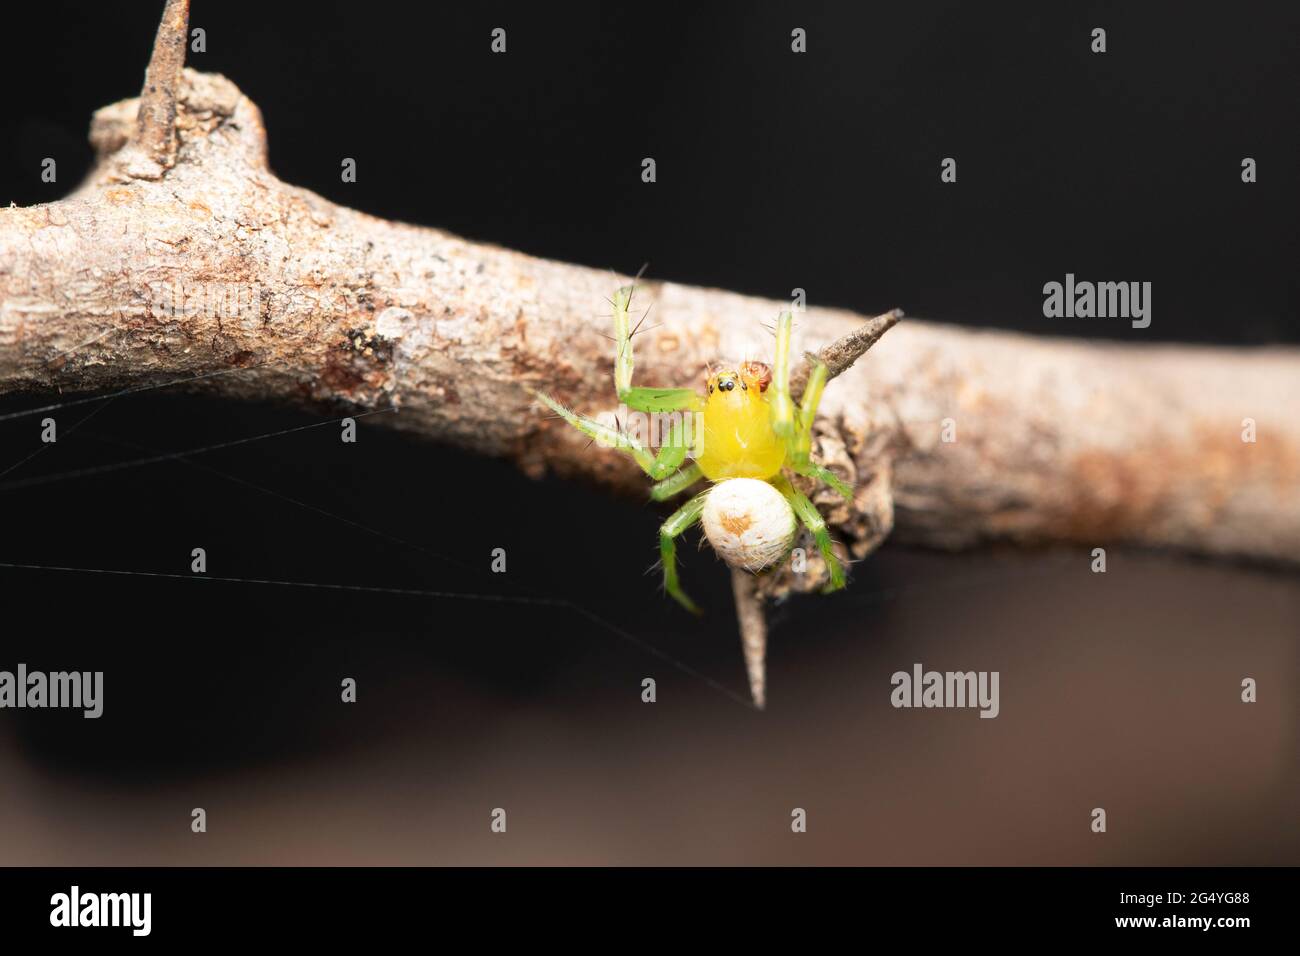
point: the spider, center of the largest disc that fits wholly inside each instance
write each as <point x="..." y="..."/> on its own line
<point x="753" y="432"/>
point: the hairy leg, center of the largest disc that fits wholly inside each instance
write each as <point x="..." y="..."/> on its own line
<point x="660" y="466"/>
<point x="641" y="399"/>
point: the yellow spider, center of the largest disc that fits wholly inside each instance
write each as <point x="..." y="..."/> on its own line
<point x="752" y="431"/>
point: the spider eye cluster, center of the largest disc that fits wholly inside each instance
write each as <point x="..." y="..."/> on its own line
<point x="727" y="381"/>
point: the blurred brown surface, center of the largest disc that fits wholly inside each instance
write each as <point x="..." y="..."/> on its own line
<point x="1118" y="690"/>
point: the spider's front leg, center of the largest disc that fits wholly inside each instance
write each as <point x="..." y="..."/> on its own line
<point x="680" y="520"/>
<point x="641" y="399"/>
<point x="794" y="423"/>
<point x="800" y="454"/>
<point x="782" y="405"/>
<point x="670" y="402"/>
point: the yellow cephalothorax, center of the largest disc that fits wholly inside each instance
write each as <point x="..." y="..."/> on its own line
<point x="739" y="440"/>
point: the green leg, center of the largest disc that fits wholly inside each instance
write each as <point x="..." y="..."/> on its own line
<point x="671" y="453"/>
<point x="783" y="412"/>
<point x="666" y="401"/>
<point x="681" y="519"/>
<point x="676" y="484"/>
<point x="812" y="397"/>
<point x="660" y="466"/>
<point x="811" y="469"/>
<point x="641" y="399"/>
<point x="660" y="399"/>
<point x="610" y="437"/>
<point x="812" y="520"/>
<point x="800" y="456"/>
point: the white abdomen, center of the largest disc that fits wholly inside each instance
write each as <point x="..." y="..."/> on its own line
<point x="748" y="522"/>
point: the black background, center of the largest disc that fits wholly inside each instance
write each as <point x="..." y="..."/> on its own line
<point x="774" y="171"/>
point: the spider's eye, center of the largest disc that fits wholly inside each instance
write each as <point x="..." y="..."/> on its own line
<point x="727" y="385"/>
